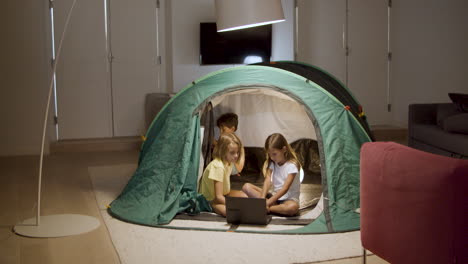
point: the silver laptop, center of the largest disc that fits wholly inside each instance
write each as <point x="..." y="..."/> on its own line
<point x="250" y="211"/>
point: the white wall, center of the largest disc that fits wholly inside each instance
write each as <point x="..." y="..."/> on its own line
<point x="283" y="34"/>
<point x="320" y="35"/>
<point x="348" y="39"/>
<point x="186" y="18"/>
<point x="429" y="42"/>
<point x="83" y="88"/>
<point x="99" y="98"/>
<point x="24" y="75"/>
<point x="430" y="53"/>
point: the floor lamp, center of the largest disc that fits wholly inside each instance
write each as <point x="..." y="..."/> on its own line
<point x="239" y="14"/>
<point x="62" y="224"/>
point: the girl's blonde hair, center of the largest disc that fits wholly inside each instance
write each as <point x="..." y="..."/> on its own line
<point x="221" y="148"/>
<point x="278" y="141"/>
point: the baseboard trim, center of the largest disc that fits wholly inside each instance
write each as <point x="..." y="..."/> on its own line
<point x="381" y="133"/>
<point x="96" y="144"/>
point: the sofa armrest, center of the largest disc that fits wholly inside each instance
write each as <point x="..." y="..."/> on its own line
<point x="413" y="204"/>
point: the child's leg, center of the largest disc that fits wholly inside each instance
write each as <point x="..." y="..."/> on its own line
<point x="288" y="207"/>
<point x="251" y="190"/>
<point x="219" y="208"/>
<point x="236" y="193"/>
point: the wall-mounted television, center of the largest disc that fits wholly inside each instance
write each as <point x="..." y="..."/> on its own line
<point x="245" y="46"/>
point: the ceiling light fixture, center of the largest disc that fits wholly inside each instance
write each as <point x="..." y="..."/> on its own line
<point x="238" y="14"/>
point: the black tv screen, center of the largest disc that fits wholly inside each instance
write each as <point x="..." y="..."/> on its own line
<point x="245" y="46"/>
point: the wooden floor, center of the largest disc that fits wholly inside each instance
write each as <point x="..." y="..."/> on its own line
<point x="66" y="189"/>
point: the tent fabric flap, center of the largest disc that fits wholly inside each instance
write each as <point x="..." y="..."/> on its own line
<point x="153" y="198"/>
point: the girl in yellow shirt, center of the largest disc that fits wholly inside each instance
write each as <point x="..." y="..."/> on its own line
<point x="215" y="182"/>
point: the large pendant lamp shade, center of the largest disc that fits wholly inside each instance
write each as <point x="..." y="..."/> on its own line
<point x="238" y="14"/>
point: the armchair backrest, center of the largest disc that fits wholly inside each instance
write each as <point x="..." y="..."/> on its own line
<point x="414" y="204"/>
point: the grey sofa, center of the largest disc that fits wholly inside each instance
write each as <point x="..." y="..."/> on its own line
<point x="438" y="128"/>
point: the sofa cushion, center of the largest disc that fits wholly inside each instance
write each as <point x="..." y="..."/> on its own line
<point x="437" y="137"/>
<point x="444" y="111"/>
<point x="456" y="123"/>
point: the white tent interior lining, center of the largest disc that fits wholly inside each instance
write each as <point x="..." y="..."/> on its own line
<point x="263" y="112"/>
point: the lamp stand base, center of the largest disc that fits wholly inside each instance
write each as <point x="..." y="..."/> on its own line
<point x="57" y="225"/>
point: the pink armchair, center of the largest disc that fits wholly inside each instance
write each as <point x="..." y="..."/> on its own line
<point x="414" y="205"/>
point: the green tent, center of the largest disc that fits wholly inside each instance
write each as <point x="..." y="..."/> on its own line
<point x="165" y="182"/>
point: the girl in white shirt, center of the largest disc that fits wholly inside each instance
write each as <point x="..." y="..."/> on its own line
<point x="281" y="173"/>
